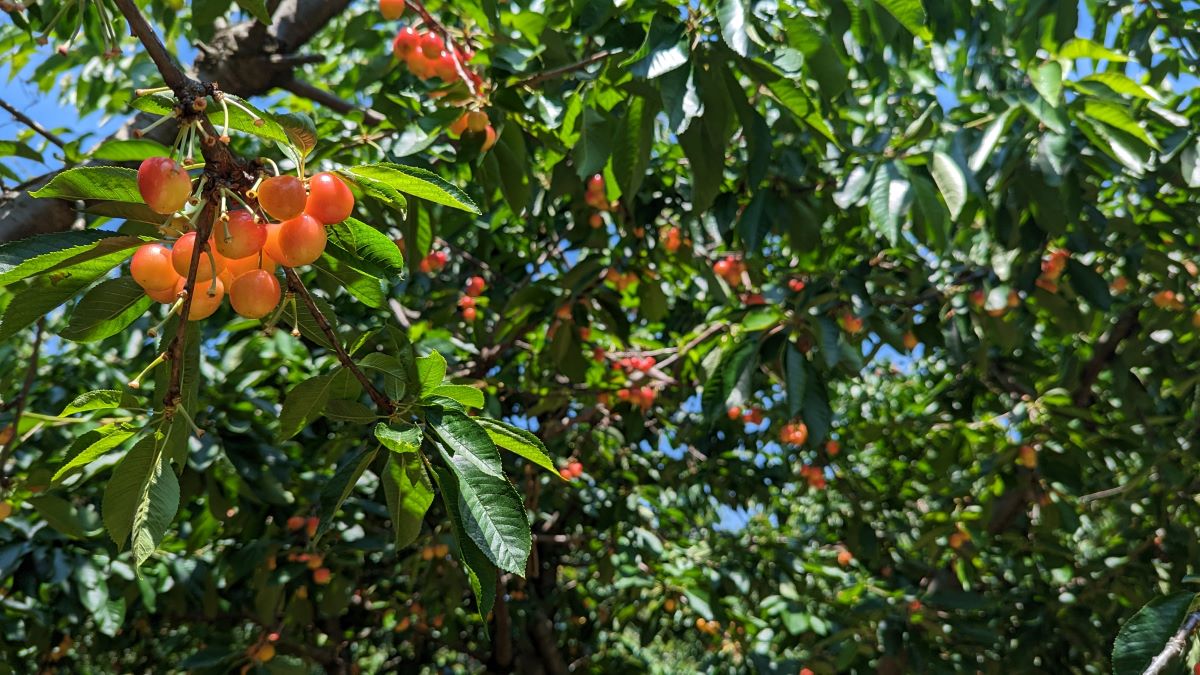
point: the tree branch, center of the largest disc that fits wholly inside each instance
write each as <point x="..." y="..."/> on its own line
<point x="385" y="406"/>
<point x="1175" y="645"/>
<point x="1126" y="325"/>
<point x="32" y="124"/>
<point x="30" y="375"/>
<point x="329" y="100"/>
<point x="552" y="73"/>
<point x="455" y="53"/>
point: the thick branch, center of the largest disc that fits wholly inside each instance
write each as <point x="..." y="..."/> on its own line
<point x="1175" y="645"/>
<point x="179" y="340"/>
<point x="32" y="124"/>
<point x="330" y="100"/>
<point x="15" y="427"/>
<point x="172" y="74"/>
<point x="294" y="282"/>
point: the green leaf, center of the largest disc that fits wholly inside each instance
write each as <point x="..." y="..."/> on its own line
<point x="1048" y="81"/>
<point x="431" y="370"/>
<point x="891" y="195"/>
<point x="1089" y="284"/>
<point x="635" y="137"/>
<point x="376" y="189"/>
<point x="26" y="257"/>
<point x="464" y="394"/>
<point x="100" y="399"/>
<point x="418" y="183"/>
<point x="481" y="573"/>
<point x="796" y="367"/>
<point x="107" y="309"/>
<point x="19" y="149"/>
<point x="734" y="15"/>
<point x="92" y="445"/>
<point x="594" y="146"/>
<point x="910" y="14"/>
<point x="492" y="512"/>
<point x="304" y="403"/>
<point x="1121" y="84"/>
<point x="1144" y="635"/>
<point x="130" y="150"/>
<point x="335" y="491"/>
<point x="1083" y="48"/>
<point x="362" y="285"/>
<point x="950" y="181"/>
<point x="363" y="241"/>
<point x="60" y="514"/>
<point x="519" y="441"/>
<point x="243" y="119"/>
<point x="403" y="440"/>
<point x="349" y="411"/>
<point x="515" y="181"/>
<point x="987" y="144"/>
<point x="1118" y="117"/>
<point x="258" y="8"/>
<point x="409" y="493"/>
<point x="107" y="183"/>
<point x="300" y="128"/>
<point x="54" y="289"/>
<point x="141" y="499"/>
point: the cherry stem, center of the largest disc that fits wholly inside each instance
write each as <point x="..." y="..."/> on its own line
<point x="136" y="382"/>
<point x="385" y="406"/>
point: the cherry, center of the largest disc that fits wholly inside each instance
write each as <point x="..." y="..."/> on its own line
<point x="844" y="557"/>
<point x="329" y="200"/>
<point x="672" y="240"/>
<point x="295" y="523"/>
<point x="734" y="412"/>
<point x="795" y="433"/>
<point x="1027" y="457"/>
<point x="311" y="525"/>
<point x="405" y="43"/>
<point x="832" y="448"/>
<point x="391" y="9"/>
<point x="151" y="268"/>
<point x="596" y="184"/>
<point x="271" y="245"/>
<point x="469" y="313"/>
<point x="166" y="296"/>
<point x="475" y="286"/>
<point x="254" y="294"/>
<point x="301" y="240"/>
<point x="203" y="304"/>
<point x="282" y="197"/>
<point x="181" y="258"/>
<point x="246" y="236"/>
<point x="431" y="45"/>
<point x="477" y="120"/>
<point x="565" y="473"/>
<point x="910" y="341"/>
<point x="723" y="267"/>
<point x="164" y="185"/>
<point x="466" y="301"/>
<point x="576" y="468"/>
<point x="445" y="67"/>
<point x="459" y="126"/>
<point x="596" y="221"/>
<point x="236" y="268"/>
<point x="322" y="576"/>
<point x="489" y="138"/>
<point x="420" y="66"/>
<point x="796" y="285"/>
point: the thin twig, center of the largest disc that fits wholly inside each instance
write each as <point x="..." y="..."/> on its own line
<point x="1175" y="645"/>
<point x="32" y="124"/>
<point x="708" y="332"/>
<point x="329" y="100"/>
<point x="385" y="406"/>
<point x="538" y="78"/>
<point x="30" y="375"/>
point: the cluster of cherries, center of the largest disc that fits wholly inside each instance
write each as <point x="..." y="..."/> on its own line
<point x="731" y="269"/>
<point x="474" y="288"/>
<point x="573" y="469"/>
<point x="1052" y="268"/>
<point x="315" y="562"/>
<point x="642" y="397"/>
<point x="595" y="197"/>
<point x="794" y="433"/>
<point x="751" y="416"/>
<point x="814" y="475"/>
<point x="621" y="280"/>
<point x="630" y="364"/>
<point x="243" y="250"/>
<point x="672" y="238"/>
<point x="434" y="262"/>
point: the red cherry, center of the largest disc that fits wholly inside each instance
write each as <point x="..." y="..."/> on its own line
<point x="405" y="43"/>
<point x="576" y="468"/>
<point x="420" y="66"/>
<point x="329" y="200"/>
<point x="475" y="286"/>
<point x="469" y="313"/>
<point x="163" y="184"/>
<point x="282" y="197"/>
<point x="466" y="301"/>
<point x="246" y="237"/>
<point x="236" y="268"/>
<point x="431" y="45"/>
<point x="165" y="296"/>
<point x="322" y="576"/>
<point x="734" y="412"/>
<point x="722" y="267"/>
<point x="203" y="304"/>
<point x="151" y="268"/>
<point x="565" y="473"/>
<point x="254" y="294"/>
<point x="596" y="184"/>
<point x="181" y="258"/>
<point x="445" y="67"/>
<point x="796" y="285"/>
<point x="301" y="240"/>
<point x="391" y="9"/>
<point x="489" y="138"/>
<point x="295" y="523"/>
<point x="596" y="221"/>
<point x="459" y="126"/>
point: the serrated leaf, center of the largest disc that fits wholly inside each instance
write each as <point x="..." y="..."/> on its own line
<point x="910" y="14"/>
<point x="515" y="181"/>
<point x="431" y="370"/>
<point x="418" y="183"/>
<point x="362" y="285"/>
<point x="376" y="189"/>
<point x="464" y="394"/>
<point x="1145" y="634"/>
<point x="733" y="15"/>
<point x="950" y="181"/>
<point x="107" y="309"/>
<point x="518" y="441"/>
<point x="403" y="440"/>
<point x="300" y="128"/>
<point x="335" y="491"/>
<point x="129" y="150"/>
<point x="481" y="573"/>
<point x="26" y="257"/>
<point x="1083" y="48"/>
<point x="409" y="494"/>
<point x="141" y="499"/>
<point x="492" y="512"/>
<point x="108" y="183"/>
<point x="53" y="289"/>
<point x="304" y="403"/>
<point x="62" y="515"/>
<point x="365" y="242"/>
<point x="891" y="195"/>
<point x="100" y="399"/>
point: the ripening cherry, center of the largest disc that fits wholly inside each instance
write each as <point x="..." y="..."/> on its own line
<point x="246" y="236"/>
<point x="166" y="296"/>
<point x="236" y="268"/>
<point x="295" y="523"/>
<point x="844" y="557"/>
<point x="565" y="473"/>
<point x="322" y="576"/>
<point x="596" y="184"/>
<point x="796" y="285"/>
<point x="271" y="245"/>
<point x="164" y="185"/>
<point x="329" y="200"/>
<point x="391" y="9"/>
<point x="445" y="67"/>
<point x="418" y="65"/>
<point x="723" y="267"/>
<point x="910" y="341"/>
<point x="489" y="138"/>
<point x="311" y="525"/>
<point x="459" y="126"/>
<point x="151" y="268"/>
<point x="431" y="45"/>
<point x="469" y="314"/>
<point x="203" y="304"/>
<point x="1027" y="457"/>
<point x="475" y="286"/>
<point x="254" y="294"/>
<point x="466" y="301"/>
<point x="672" y="239"/>
<point x="734" y="412"/>
<point x="301" y="240"/>
<point x="477" y="120"/>
<point x="596" y="221"/>
<point x="405" y="43"/>
<point x="576" y="468"/>
<point x="282" y="197"/>
<point x="206" y="268"/>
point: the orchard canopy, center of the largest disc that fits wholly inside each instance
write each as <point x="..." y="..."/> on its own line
<point x="605" y="336"/>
